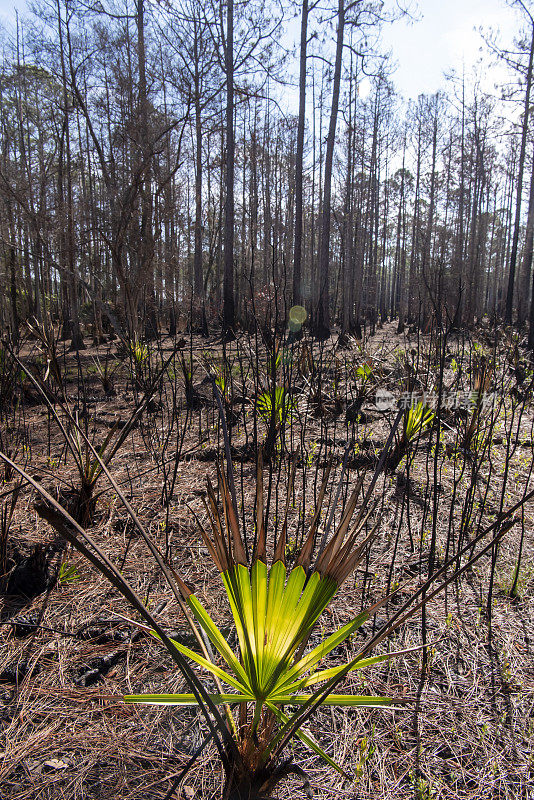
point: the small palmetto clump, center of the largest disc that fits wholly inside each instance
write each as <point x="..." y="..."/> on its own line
<point x="275" y="610"/>
<point x="47" y="343"/>
<point x="275" y="407"/>
<point x="140" y="361"/>
<point x="105" y="373"/>
<point x="283" y="406"/>
<point x="417" y="420"/>
<point x="139" y="353"/>
<point x="475" y="435"/>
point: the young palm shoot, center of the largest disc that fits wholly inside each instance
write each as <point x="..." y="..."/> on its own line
<point x="282" y="408"/>
<point x="275" y="610"/>
<point x="417" y="420"/>
<point x="139" y="359"/>
<point x="91" y="462"/>
<point x="106" y="374"/>
<point x="274" y="402"/>
<point x="474" y="436"/>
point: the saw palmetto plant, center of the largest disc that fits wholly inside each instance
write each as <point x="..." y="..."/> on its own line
<point x="47" y="343"/>
<point x="474" y="436"/>
<point x="88" y="467"/>
<point x="275" y="408"/>
<point x="105" y="373"/>
<point x="417" y="420"/>
<point x="90" y="461"/>
<point x="221" y="373"/>
<point x="139" y="355"/>
<point x="275" y="611"/>
<point x="192" y="396"/>
<point x="278" y="403"/>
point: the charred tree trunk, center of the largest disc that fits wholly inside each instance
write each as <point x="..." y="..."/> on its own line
<point x="322" y="321"/>
<point x="527" y="255"/>
<point x="519" y="187"/>
<point x="228" y="278"/>
<point x="297" y="255"/>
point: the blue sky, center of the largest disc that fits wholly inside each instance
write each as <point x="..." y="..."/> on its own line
<point x="445" y="36"/>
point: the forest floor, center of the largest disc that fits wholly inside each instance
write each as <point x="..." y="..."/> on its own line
<point x="66" y="659"/>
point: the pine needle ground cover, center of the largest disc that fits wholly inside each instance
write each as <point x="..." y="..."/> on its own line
<point x="68" y="658"/>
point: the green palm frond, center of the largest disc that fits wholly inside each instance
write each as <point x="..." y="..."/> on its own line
<point x="284" y="405"/>
<point x="139" y="352"/>
<point x="418" y="419"/>
<point x="275" y="611"/>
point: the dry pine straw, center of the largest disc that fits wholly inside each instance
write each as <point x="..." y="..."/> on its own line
<point x="470" y="735"/>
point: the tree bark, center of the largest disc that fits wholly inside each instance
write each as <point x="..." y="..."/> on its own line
<point x="519" y="188"/>
<point x="527" y="255"/>
<point x="322" y="321"/>
<point x="228" y="279"/>
<point x="299" y="165"/>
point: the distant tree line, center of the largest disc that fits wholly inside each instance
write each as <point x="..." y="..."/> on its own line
<point x="150" y="173"/>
